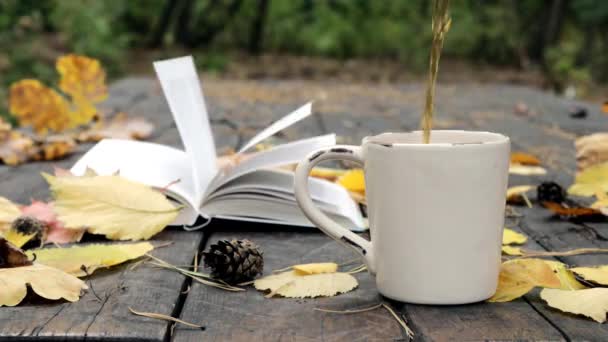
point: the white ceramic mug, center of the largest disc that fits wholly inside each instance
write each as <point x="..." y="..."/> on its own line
<point x="436" y="212"/>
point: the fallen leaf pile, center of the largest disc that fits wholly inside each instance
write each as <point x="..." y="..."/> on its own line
<point x="72" y="114"/>
<point x="108" y="205"/>
<point x="308" y="280"/>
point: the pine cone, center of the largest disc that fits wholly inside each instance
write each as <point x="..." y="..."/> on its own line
<point x="27" y="225"/>
<point x="234" y="261"/>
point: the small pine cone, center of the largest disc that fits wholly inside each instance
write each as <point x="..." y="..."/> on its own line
<point x="234" y="261"/>
<point x="550" y="192"/>
<point x="28" y="225"/>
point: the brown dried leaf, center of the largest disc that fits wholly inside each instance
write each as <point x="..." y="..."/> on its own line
<point x="120" y="127"/>
<point x="562" y="210"/>
<point x="11" y="256"/>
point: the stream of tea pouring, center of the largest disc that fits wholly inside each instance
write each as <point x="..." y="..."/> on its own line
<point x="441" y="24"/>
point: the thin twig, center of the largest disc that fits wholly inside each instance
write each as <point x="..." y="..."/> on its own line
<point x="282" y="269"/>
<point x="401" y="321"/>
<point x="527" y="200"/>
<point x="350" y="311"/>
<point x="397" y="317"/>
<point x="165" y="318"/>
<point x="83" y="268"/>
<point x="579" y="251"/>
<point x="199" y="277"/>
<point x="358" y="269"/>
<point x="168" y="243"/>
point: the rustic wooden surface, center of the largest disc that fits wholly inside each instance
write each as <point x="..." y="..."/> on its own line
<point x="238" y="109"/>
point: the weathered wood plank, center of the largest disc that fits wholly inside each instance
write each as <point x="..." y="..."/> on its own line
<point x="250" y="316"/>
<point x="144" y="288"/>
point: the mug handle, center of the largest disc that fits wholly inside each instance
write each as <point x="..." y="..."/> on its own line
<point x="327" y="225"/>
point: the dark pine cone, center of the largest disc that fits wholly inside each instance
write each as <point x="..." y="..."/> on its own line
<point x="234" y="261"/>
<point x="27" y="225"/>
<point x="550" y="192"/>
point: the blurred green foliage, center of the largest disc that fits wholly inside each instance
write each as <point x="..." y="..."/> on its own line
<point x="567" y="39"/>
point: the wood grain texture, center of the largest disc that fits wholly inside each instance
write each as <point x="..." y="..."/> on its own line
<point x="238" y="109"/>
<point x="250" y="316"/>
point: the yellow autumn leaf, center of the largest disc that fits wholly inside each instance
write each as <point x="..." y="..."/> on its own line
<point x="324" y="267"/>
<point x="598" y="274"/>
<point x="327" y="173"/>
<point x="111" y="205"/>
<point x="592" y="303"/>
<point x="39" y="106"/>
<point x="526" y="170"/>
<point x="82" y="76"/>
<point x="47" y="282"/>
<point x="92" y="257"/>
<point x="353" y="180"/>
<point x="509" y="236"/>
<point x="519" y="276"/>
<point x="565" y="275"/>
<point x="292" y="285"/>
<point x="84" y="79"/>
<point x="9" y="211"/>
<point x="590" y="181"/>
<point x="510" y="250"/>
<point x="515" y="193"/>
<point x="16" y="238"/>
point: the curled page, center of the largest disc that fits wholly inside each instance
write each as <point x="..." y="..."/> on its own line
<point x="181" y="86"/>
<point x="279" y="125"/>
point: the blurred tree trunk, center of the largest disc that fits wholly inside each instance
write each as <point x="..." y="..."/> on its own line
<point x="184" y="16"/>
<point x="156" y="40"/>
<point x="256" y="39"/>
<point x="201" y="30"/>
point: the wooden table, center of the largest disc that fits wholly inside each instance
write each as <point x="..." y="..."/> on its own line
<point x="238" y="110"/>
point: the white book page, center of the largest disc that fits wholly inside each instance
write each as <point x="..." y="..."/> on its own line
<point x="290" y="153"/>
<point x="259" y="210"/>
<point x="278" y="181"/>
<point x="181" y="86"/>
<point x="286" y="121"/>
<point x="331" y="197"/>
<point x="148" y="163"/>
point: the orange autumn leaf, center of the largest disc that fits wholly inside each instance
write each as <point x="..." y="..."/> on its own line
<point x="14" y="146"/>
<point x="605" y="107"/>
<point x="53" y="148"/>
<point x="82" y="78"/>
<point x="523" y="158"/>
<point x="574" y="211"/>
<point x="39" y="106"/>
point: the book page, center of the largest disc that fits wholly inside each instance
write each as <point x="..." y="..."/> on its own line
<point x="275" y="212"/>
<point x="181" y="86"/>
<point x="290" y="153"/>
<point x="277" y="185"/>
<point x="148" y="163"/>
<point x="284" y="122"/>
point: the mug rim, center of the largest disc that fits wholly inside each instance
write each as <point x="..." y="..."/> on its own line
<point x="461" y="138"/>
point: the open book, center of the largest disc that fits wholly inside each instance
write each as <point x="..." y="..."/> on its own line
<point x="253" y="189"/>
